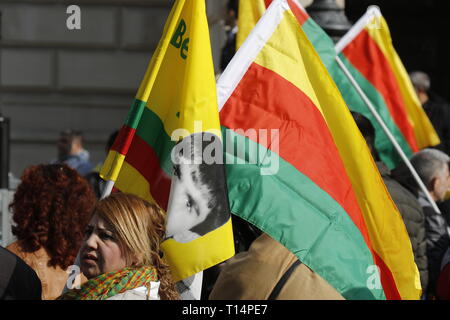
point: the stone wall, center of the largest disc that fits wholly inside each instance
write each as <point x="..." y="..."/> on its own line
<point x="53" y="78"/>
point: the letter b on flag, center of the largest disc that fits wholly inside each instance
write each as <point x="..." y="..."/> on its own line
<point x="177" y="39"/>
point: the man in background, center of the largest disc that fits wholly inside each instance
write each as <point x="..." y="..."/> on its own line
<point x="432" y="167"/>
<point x="72" y="153"/>
<point x="437" y="109"/>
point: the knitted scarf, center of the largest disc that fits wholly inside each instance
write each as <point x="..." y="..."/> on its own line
<point x="110" y="284"/>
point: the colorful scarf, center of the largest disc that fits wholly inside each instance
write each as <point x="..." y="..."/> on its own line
<point x="110" y="284"/>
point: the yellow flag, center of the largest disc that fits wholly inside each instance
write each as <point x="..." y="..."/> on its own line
<point x="170" y="149"/>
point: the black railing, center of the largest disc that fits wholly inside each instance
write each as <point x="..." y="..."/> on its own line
<point x="4" y="152"/>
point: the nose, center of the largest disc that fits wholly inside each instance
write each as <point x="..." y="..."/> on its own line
<point x="91" y="241"/>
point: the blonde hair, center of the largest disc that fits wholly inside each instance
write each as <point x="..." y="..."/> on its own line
<point x="139" y="227"/>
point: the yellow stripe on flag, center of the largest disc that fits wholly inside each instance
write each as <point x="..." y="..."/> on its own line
<point x="111" y="167"/>
<point x="424" y="132"/>
<point x="131" y="181"/>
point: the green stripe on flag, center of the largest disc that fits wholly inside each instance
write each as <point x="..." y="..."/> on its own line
<point x="135" y="113"/>
<point x="293" y="210"/>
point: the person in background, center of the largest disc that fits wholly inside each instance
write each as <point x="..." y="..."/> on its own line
<point x="121" y="254"/>
<point x="94" y="176"/>
<point x="443" y="283"/>
<point x="51" y="207"/>
<point x="432" y="166"/>
<point x="437" y="109"/>
<point x="72" y="153"/>
<point x="405" y="200"/>
<point x="17" y="280"/>
<point x="229" y="49"/>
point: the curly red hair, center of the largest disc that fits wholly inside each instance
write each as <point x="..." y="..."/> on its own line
<point x="51" y="208"/>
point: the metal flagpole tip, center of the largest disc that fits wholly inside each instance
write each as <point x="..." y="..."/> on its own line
<point x="373" y="15"/>
<point x="374" y="9"/>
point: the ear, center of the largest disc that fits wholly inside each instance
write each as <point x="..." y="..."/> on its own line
<point x="434" y="184"/>
<point x="136" y="260"/>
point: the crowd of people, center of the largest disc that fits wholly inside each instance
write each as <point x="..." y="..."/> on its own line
<point x="60" y="222"/>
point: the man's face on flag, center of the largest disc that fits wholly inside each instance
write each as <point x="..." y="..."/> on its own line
<point x="189" y="205"/>
<point x="198" y="200"/>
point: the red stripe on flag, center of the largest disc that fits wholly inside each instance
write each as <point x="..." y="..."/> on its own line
<point x="264" y="100"/>
<point x="367" y="57"/>
<point x="387" y="280"/>
<point x="123" y="140"/>
<point x="301" y="15"/>
<point x="267" y="3"/>
<point x="144" y="159"/>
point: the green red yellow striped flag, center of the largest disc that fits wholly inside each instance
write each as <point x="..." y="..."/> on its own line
<point x="424" y="133"/>
<point x="370" y="56"/>
<point x="292" y="170"/>
<point x="158" y="154"/>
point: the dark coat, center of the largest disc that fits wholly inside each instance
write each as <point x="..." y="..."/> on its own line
<point x="17" y="280"/>
<point x="438" y="241"/>
<point x="414" y="219"/>
<point x="438" y="111"/>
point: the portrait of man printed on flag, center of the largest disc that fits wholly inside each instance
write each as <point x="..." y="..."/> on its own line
<point x="198" y="203"/>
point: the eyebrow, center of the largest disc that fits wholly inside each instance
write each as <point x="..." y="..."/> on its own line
<point x="194" y="204"/>
<point x="101" y="229"/>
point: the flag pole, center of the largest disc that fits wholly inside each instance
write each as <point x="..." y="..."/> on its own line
<point x="388" y="133"/>
<point x="108" y="189"/>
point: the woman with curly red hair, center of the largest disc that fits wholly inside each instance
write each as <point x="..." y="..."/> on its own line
<point x="51" y="208"/>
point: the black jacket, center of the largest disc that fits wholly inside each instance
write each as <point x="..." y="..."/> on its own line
<point x="17" y="280"/>
<point x="438" y="110"/>
<point x="438" y="240"/>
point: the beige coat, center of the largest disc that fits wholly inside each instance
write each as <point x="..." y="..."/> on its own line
<point x="52" y="279"/>
<point x="252" y="275"/>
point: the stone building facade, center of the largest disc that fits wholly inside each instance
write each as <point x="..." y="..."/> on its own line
<point x="53" y="78"/>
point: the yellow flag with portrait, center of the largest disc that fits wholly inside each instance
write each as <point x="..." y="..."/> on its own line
<point x="169" y="151"/>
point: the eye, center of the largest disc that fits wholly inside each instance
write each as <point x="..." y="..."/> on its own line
<point x="176" y="171"/>
<point x="87" y="232"/>
<point x="188" y="204"/>
<point x="191" y="205"/>
<point x="105" y="236"/>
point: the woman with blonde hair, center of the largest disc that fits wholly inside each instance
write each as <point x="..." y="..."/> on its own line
<point x="121" y="255"/>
